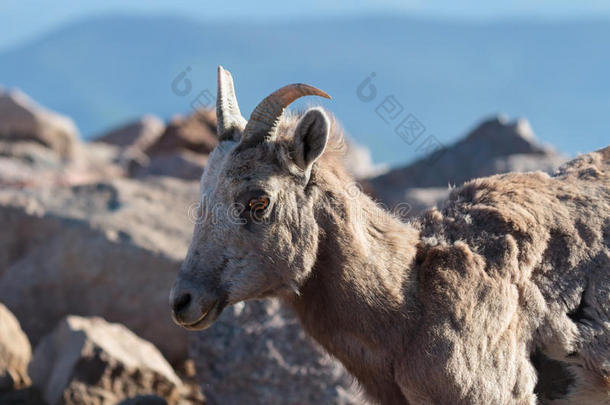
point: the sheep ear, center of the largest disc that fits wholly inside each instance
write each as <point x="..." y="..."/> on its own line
<point x="310" y="137"/>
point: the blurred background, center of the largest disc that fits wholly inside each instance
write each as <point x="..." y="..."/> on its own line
<point x="107" y="122"/>
<point x="106" y="62"/>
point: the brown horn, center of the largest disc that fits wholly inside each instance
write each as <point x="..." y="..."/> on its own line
<point x="266" y="116"/>
<point x="228" y="116"/>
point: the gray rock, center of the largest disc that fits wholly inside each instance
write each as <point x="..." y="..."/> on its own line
<point x="15" y="353"/>
<point x="107" y="249"/>
<point x="31" y="153"/>
<point x="17" y="173"/>
<point x="182" y="164"/>
<point x="91" y="361"/>
<point x="22" y="119"/>
<point x="257" y="353"/>
<point x="495" y="146"/>
<point x="94" y="162"/>
<point x="39" y="147"/>
<point x="196" y="132"/>
<point x="140" y="133"/>
<point x="31" y="166"/>
<point x="181" y="151"/>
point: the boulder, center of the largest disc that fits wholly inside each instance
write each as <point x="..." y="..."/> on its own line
<point x="94" y="162"/>
<point x="31" y="153"/>
<point x="182" y="164"/>
<point x="196" y="133"/>
<point x="181" y="151"/>
<point x="109" y="249"/>
<point x="140" y="133"/>
<point x="38" y="147"/>
<point x="23" y="120"/>
<point x="15" y="353"/>
<point x="16" y="173"/>
<point x="257" y="353"/>
<point x="32" y="165"/>
<point x="91" y="361"/>
<point x="494" y="146"/>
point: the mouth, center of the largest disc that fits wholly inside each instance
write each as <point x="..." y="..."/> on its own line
<point x="206" y="319"/>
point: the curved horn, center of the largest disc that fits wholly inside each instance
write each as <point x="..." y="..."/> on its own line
<point x="266" y="116"/>
<point x="227" y="110"/>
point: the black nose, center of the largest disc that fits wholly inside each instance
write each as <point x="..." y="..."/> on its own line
<point x="181" y="302"/>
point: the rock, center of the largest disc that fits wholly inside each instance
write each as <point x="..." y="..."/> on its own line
<point x="140" y="133"/>
<point x="196" y="133"/>
<point x="32" y="164"/>
<point x="41" y="147"/>
<point x="15" y="353"/>
<point x="182" y="164"/>
<point x="91" y="361"/>
<point x="109" y="249"/>
<point x="257" y="353"/>
<point x="23" y="120"/>
<point x="495" y="146"/>
<point x="95" y="162"/>
<point x="31" y="153"/>
<point x="181" y="151"/>
<point x="17" y="173"/>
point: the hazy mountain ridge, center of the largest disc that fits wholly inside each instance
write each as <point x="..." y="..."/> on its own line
<point x="109" y="69"/>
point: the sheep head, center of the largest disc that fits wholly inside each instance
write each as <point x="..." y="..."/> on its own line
<point x="255" y="233"/>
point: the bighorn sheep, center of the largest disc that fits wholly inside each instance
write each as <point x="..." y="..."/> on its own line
<point x="460" y="306"/>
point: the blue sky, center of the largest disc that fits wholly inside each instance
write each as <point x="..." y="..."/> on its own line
<point x="23" y="19"/>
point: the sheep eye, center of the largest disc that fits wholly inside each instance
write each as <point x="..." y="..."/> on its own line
<point x="258" y="204"/>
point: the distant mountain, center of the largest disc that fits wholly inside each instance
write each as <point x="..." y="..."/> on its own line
<point x="447" y="75"/>
<point x="494" y="146"/>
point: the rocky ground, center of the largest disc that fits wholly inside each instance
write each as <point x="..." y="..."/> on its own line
<point x="92" y="234"/>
